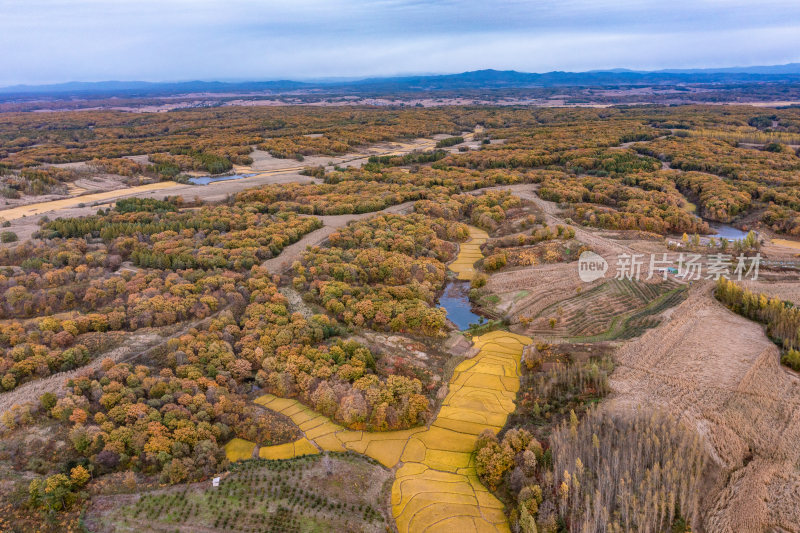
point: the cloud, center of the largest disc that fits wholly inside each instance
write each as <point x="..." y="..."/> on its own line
<point x="59" y="40"/>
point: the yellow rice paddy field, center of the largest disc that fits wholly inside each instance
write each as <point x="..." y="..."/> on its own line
<point x="44" y="207"/>
<point x="469" y="254"/>
<point x="436" y="487"/>
<point x="786" y="243"/>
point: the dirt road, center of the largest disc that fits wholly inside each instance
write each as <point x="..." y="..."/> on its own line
<point x="331" y="223"/>
<point x="599" y="244"/>
<point x="31" y="391"/>
<point x="285" y="173"/>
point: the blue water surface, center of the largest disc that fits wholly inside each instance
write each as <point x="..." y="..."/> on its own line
<point x="455" y="301"/>
<point x="728" y="232"/>
<point x="205" y="180"/>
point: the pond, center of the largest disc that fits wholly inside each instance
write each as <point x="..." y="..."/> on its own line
<point x="728" y="232"/>
<point x="455" y="301"/>
<point x="205" y="180"/>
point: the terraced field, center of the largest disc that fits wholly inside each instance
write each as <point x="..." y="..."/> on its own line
<point x="436" y="486"/>
<point x="615" y="309"/>
<point x="468" y="254"/>
<point x="526" y="292"/>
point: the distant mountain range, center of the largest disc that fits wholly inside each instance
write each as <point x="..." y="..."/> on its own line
<point x="478" y="79"/>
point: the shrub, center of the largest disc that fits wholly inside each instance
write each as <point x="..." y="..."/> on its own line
<point x="450" y="141"/>
<point x="792" y="360"/>
<point x="495" y="261"/>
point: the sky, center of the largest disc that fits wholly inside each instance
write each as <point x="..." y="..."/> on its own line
<point x="51" y="41"/>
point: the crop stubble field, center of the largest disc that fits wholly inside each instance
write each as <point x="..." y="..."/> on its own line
<point x="615" y="181"/>
<point x="718" y="373"/>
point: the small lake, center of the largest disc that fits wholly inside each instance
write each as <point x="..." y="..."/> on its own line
<point x="455" y="301"/>
<point x="728" y="232"/>
<point x="205" y="180"/>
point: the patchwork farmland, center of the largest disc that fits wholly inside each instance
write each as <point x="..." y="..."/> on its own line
<point x="615" y="309"/>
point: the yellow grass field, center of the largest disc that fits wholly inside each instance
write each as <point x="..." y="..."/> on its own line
<point x="239" y="449"/>
<point x="436" y="488"/>
<point x="468" y="254"/>
<point x="786" y="243"/>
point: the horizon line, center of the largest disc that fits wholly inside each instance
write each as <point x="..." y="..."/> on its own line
<point x="350" y="79"/>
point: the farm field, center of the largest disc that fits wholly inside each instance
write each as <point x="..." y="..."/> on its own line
<point x="271" y="496"/>
<point x="615" y="309"/>
<point x="733" y="390"/>
<point x="785" y="289"/>
<point x="437" y="483"/>
<point x="284" y="331"/>
<point x="469" y="253"/>
<point x="787" y="243"/>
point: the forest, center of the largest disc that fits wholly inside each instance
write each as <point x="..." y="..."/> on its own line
<point x="168" y="323"/>
<point x="781" y="318"/>
<point x="695" y="153"/>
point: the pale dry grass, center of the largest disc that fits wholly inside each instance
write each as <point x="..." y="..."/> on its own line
<point x="717" y="372"/>
<point x="543" y="285"/>
<point x="784" y="290"/>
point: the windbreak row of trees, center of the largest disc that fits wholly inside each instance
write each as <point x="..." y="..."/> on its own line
<point x="782" y="318"/>
<point x="565" y="463"/>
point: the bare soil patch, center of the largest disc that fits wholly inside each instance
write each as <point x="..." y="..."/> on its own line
<point x="264" y="161"/>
